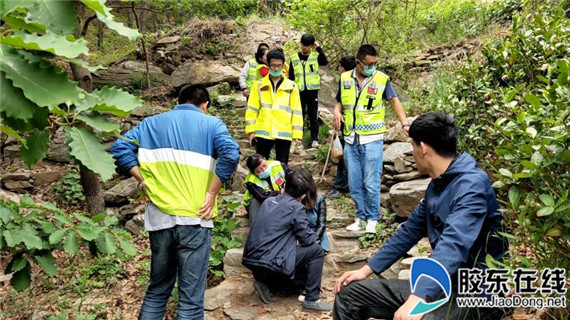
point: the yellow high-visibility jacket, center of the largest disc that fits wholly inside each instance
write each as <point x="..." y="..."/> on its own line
<point x="274" y="115"/>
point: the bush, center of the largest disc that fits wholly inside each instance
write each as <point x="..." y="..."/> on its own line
<point x="69" y="191"/>
<point x="512" y="110"/>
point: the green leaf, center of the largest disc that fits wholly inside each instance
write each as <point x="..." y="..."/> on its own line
<point x="547" y="199"/>
<point x="64" y="46"/>
<point x="533" y="100"/>
<point x="99" y="217"/>
<point x="41" y="83"/>
<point x="46" y="226"/>
<point x="6" y="213"/>
<point x="528" y="164"/>
<point x="71" y="245"/>
<point x="12" y="133"/>
<point x="18" y="263"/>
<point x="554" y="232"/>
<point x="22" y="279"/>
<point x="12" y="238"/>
<point x="537" y="158"/>
<point x="490" y="261"/>
<point x="498" y="184"/>
<point x="563" y="207"/>
<point x="562" y="78"/>
<point x="86" y="148"/>
<point x="545" y="211"/>
<point x="30" y="238"/>
<point x="57" y="16"/>
<point x="532" y="131"/>
<point x="112" y="100"/>
<point x="86" y="65"/>
<point x="63" y="219"/>
<point x="56" y="236"/>
<point x="106" y="243"/>
<point x="104" y="15"/>
<point x="86" y="232"/>
<point x="47" y="262"/>
<point x="128" y="248"/>
<point x="37" y="146"/>
<point x="7" y="6"/>
<point x="522" y="175"/>
<point x="505" y="173"/>
<point x="20" y="23"/>
<point x="514" y="196"/>
<point x="13" y="101"/>
<point x="98" y="122"/>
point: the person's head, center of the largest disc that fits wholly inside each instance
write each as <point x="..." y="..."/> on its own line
<point x="263" y="45"/>
<point x="261" y="54"/>
<point x="195" y="94"/>
<point x="347" y="63"/>
<point x="299" y="183"/>
<point x="434" y="136"/>
<point x="307" y="42"/>
<point x="311" y="195"/>
<point x="257" y="164"/>
<point x="366" y="60"/>
<point x="275" y="61"/>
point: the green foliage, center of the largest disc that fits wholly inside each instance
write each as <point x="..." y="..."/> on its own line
<point x="216" y="46"/>
<point x="222" y="239"/>
<point x="384" y="229"/>
<point x="69" y="191"/>
<point x="37" y="93"/>
<point x="512" y="110"/>
<point x="211" y="8"/>
<point x="29" y="233"/>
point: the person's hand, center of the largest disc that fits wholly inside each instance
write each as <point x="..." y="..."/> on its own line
<point x="403" y="313"/>
<point x="338" y="118"/>
<point x="250" y="137"/>
<point x="142" y="188"/>
<point x="282" y="191"/>
<point x="245" y="92"/>
<point x="406" y="129"/>
<point x="349" y="276"/>
<point x="315" y="45"/>
<point x="207" y="209"/>
<point x="297" y="141"/>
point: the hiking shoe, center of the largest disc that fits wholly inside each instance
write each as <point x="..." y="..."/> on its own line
<point x="318" y="306"/>
<point x="334" y="194"/>
<point x="315" y="144"/>
<point x="301" y="297"/>
<point x="371" y="226"/>
<point x="355" y="226"/>
<point x="264" y="293"/>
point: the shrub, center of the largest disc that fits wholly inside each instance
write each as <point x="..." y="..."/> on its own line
<point x="69" y="191"/>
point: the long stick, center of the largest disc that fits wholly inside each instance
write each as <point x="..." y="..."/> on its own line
<point x="328" y="155"/>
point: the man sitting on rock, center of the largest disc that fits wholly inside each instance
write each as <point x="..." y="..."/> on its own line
<point x="271" y="251"/>
<point x="459" y="214"/>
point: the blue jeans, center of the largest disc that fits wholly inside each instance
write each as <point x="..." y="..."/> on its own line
<point x="364" y="165"/>
<point x="179" y="252"/>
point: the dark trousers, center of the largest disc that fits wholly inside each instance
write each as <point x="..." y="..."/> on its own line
<point x="308" y="271"/>
<point x="380" y="299"/>
<point x="264" y="146"/>
<point x="310" y="105"/>
<point x="341" y="179"/>
<point x="180" y="252"/>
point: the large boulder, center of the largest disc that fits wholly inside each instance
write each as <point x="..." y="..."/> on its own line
<point x="329" y="88"/>
<point x="396" y="149"/>
<point x="58" y="149"/>
<point x="122" y="192"/>
<point x="405" y="196"/>
<point x="203" y="72"/>
<point x="130" y="75"/>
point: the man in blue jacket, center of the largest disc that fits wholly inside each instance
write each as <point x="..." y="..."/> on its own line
<point x="180" y="159"/>
<point x="459" y="214"/>
<point x="271" y="250"/>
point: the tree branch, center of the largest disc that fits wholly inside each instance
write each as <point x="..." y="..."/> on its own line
<point x="86" y="25"/>
<point x="139" y="8"/>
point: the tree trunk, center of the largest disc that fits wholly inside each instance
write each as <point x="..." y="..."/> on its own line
<point x="100" y="34"/>
<point x="89" y="179"/>
<point x="143" y="17"/>
<point x="137" y="22"/>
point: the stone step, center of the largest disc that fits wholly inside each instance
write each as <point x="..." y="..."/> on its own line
<point x="344" y="240"/>
<point x="336" y="219"/>
<point x="242" y="233"/>
<point x="232" y="264"/>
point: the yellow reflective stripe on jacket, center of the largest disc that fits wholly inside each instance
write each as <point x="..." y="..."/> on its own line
<point x="363" y="114"/>
<point x="164" y="169"/>
<point x="274" y="115"/>
<point x="307" y="76"/>
<point x="276" y="172"/>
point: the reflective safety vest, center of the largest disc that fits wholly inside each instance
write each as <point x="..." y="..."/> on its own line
<point x="363" y="113"/>
<point x="274" y="115"/>
<point x="307" y="76"/>
<point x="276" y="175"/>
<point x="253" y="72"/>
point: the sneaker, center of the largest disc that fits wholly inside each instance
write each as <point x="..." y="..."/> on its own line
<point x="334" y="194"/>
<point x="319" y="306"/>
<point x="355" y="226"/>
<point x="301" y="298"/>
<point x="264" y="293"/>
<point x="315" y="144"/>
<point x="371" y="226"/>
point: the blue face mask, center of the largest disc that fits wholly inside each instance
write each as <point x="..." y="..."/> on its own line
<point x="275" y="74"/>
<point x="264" y="174"/>
<point x="367" y="71"/>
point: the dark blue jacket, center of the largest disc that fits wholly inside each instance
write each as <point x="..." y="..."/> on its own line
<point x="460" y="216"/>
<point x="272" y="240"/>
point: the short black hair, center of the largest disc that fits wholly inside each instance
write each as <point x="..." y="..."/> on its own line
<point x="299" y="183"/>
<point x="307" y="39"/>
<point x="348" y="63"/>
<point x="263" y="45"/>
<point x="260" y="52"/>
<point x="254" y="161"/>
<point x="195" y="94"/>
<point x="438" y="130"/>
<point x="275" y="54"/>
<point x="366" y="50"/>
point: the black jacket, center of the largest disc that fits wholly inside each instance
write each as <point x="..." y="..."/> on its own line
<point x="272" y="240"/>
